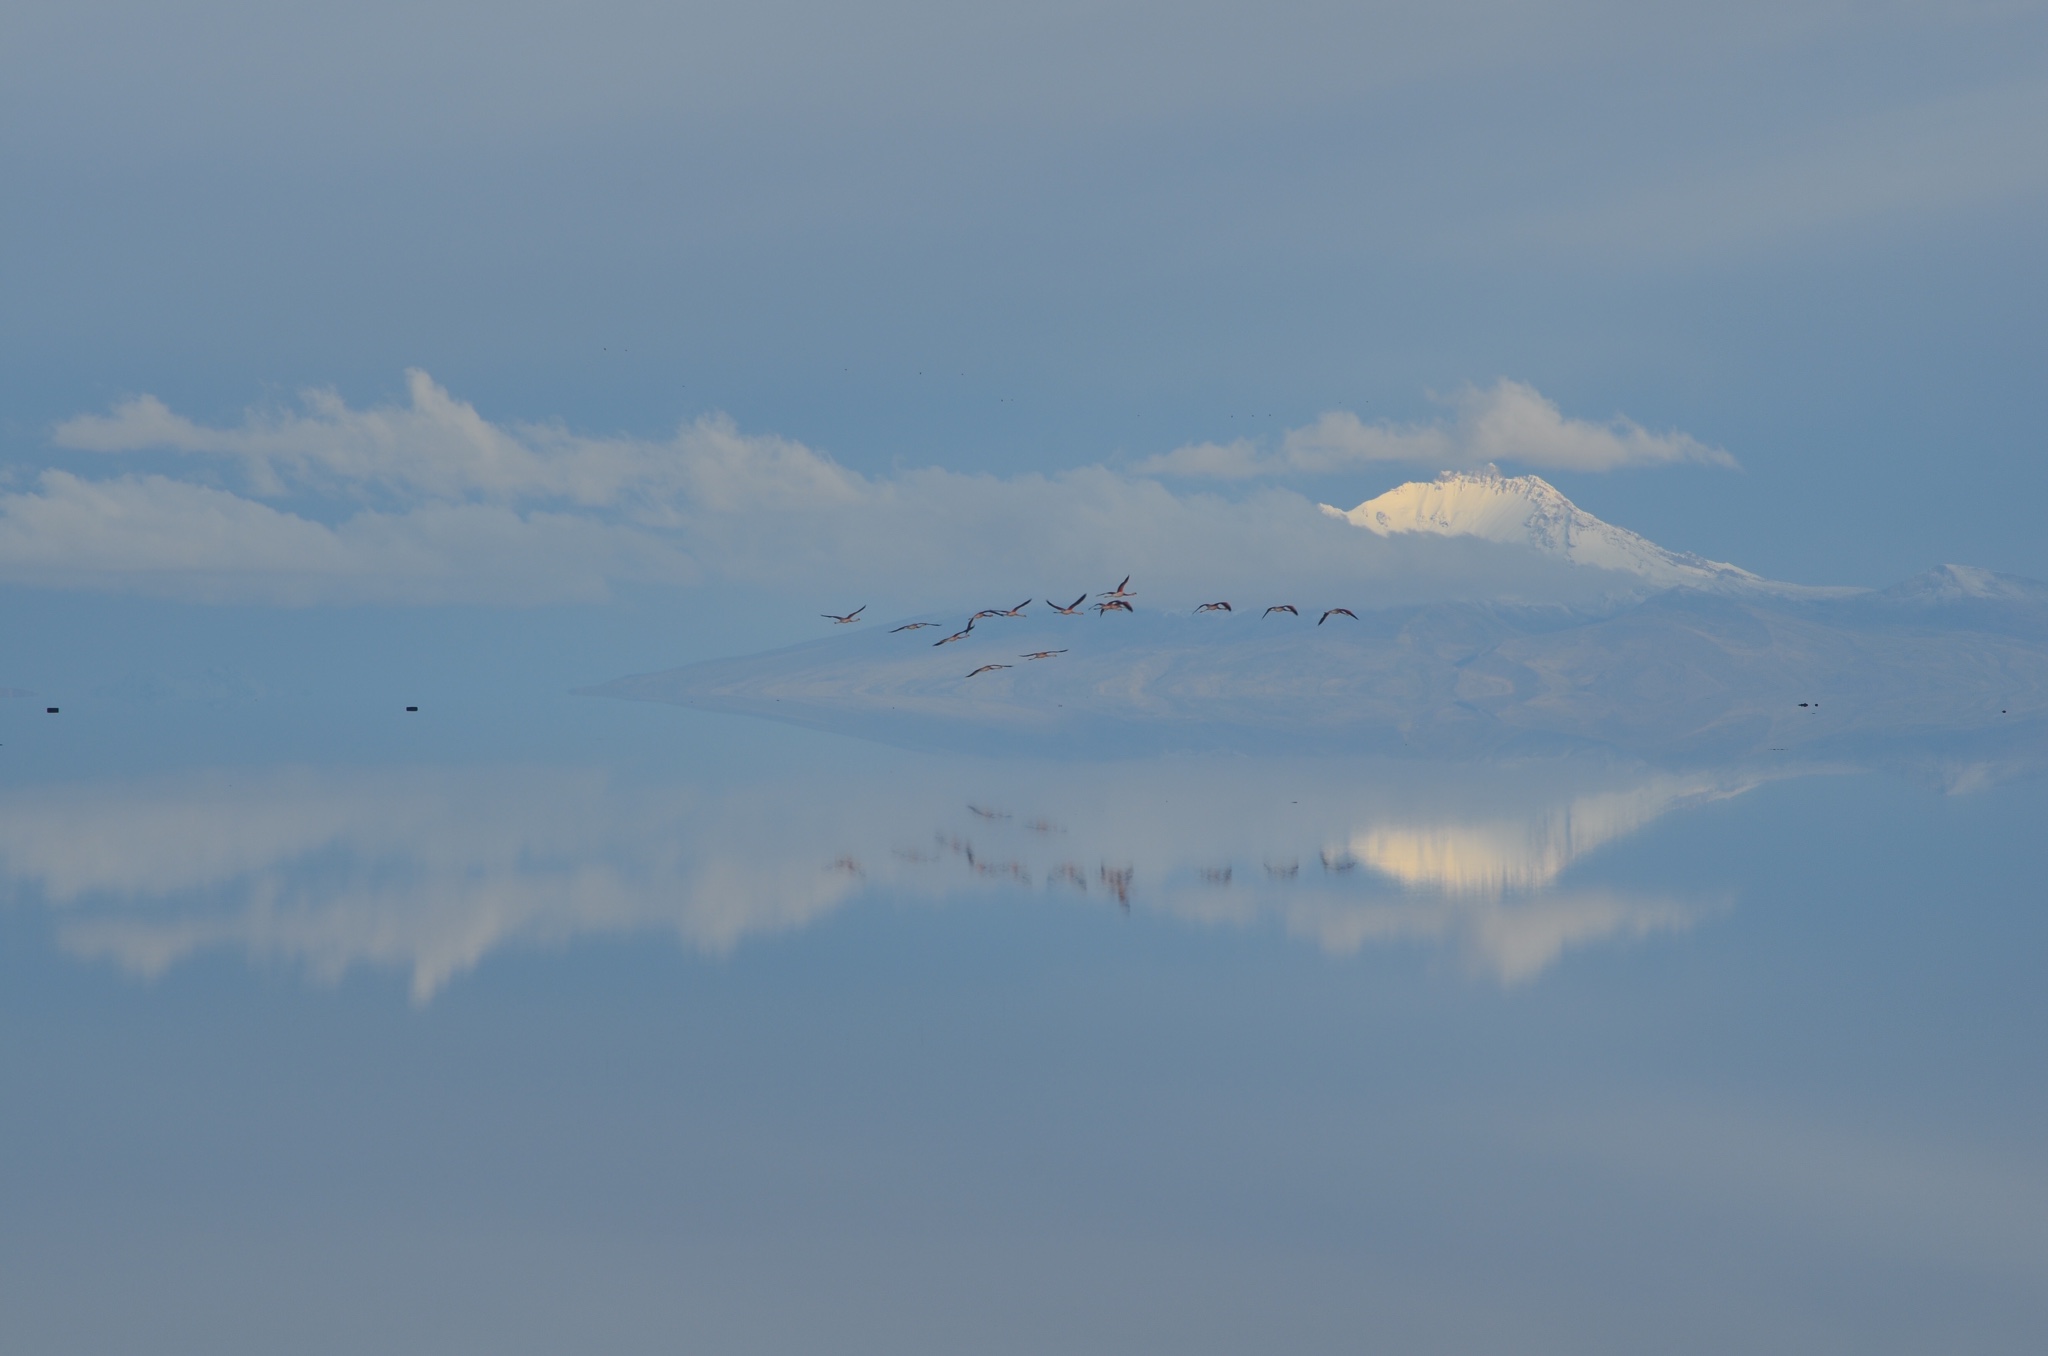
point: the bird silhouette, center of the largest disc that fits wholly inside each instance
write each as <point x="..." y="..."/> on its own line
<point x="1119" y="591"/>
<point x="835" y="617"/>
<point x="911" y="626"/>
<point x="1280" y="607"/>
<point x="1115" y="605"/>
<point x="1016" y="611"/>
<point x="1070" y="608"/>
<point x="989" y="668"/>
<point x="1337" y="612"/>
<point x="1213" y="607"/>
<point x="1041" y="654"/>
<point x="957" y="635"/>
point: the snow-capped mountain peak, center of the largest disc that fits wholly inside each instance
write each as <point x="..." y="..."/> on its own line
<point x="1529" y="511"/>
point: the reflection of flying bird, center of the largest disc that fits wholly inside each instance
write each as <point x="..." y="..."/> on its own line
<point x="1213" y="607"/>
<point x="989" y="668"/>
<point x="1119" y="591"/>
<point x="1070" y="608"/>
<point x="1113" y="606"/>
<point x="1288" y="608"/>
<point x="957" y="635"/>
<point x="911" y="626"/>
<point x="1337" y="612"/>
<point x="1041" y="654"/>
<point x="835" y="617"/>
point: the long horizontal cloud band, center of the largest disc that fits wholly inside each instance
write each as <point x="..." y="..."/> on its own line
<point x="429" y="501"/>
<point x="1509" y="422"/>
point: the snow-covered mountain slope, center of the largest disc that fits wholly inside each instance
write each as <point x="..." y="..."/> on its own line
<point x="1965" y="584"/>
<point x="1529" y="511"/>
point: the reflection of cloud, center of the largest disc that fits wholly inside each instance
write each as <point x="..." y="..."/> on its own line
<point x="423" y="869"/>
<point x="431" y="870"/>
<point x="1492" y="857"/>
<point x="1509" y="421"/>
<point x="1513" y="941"/>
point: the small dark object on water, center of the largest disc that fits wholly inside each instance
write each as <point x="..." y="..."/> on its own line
<point x="412" y="708"/>
<point x="49" y="710"/>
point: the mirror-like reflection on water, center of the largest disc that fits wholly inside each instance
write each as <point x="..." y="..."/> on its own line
<point x="648" y="1034"/>
<point x="431" y="868"/>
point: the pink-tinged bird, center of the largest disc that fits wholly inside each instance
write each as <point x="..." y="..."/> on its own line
<point x="957" y="635"/>
<point x="1337" y="612"/>
<point x="834" y="617"/>
<point x="1120" y="591"/>
<point x="1041" y="654"/>
<point x="1070" y="608"/>
<point x="1016" y="611"/>
<point x="1288" y="608"/>
<point x="989" y="668"/>
<point x="1214" y="607"/>
<point x="1112" y="606"/>
<point x="911" y="626"/>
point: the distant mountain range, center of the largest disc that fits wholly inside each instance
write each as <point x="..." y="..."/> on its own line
<point x="1710" y="664"/>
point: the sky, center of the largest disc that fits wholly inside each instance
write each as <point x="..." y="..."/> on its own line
<point x="541" y="304"/>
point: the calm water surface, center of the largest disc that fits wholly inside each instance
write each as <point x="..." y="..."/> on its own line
<point x="610" y="1028"/>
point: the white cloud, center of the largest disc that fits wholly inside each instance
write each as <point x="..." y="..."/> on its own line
<point x="1509" y="422"/>
<point x="155" y="535"/>
<point x="428" y="501"/>
<point x="442" y="448"/>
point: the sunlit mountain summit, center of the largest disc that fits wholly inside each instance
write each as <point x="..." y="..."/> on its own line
<point x="1529" y="511"/>
<point x="1671" y="657"/>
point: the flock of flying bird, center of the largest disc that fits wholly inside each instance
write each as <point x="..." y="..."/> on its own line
<point x="1115" y="600"/>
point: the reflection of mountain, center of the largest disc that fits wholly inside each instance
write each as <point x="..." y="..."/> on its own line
<point x="1951" y="668"/>
<point x="429" y="870"/>
<point x="1528" y="853"/>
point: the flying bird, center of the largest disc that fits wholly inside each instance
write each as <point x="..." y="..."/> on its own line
<point x="957" y="635"/>
<point x="1113" y="606"/>
<point x="911" y="626"/>
<point x="1041" y="654"/>
<point x="989" y="668"/>
<point x="1016" y="611"/>
<point x="1213" y="607"/>
<point x="1337" y="612"/>
<point x="1282" y="607"/>
<point x="834" y="617"/>
<point x="1119" y="591"/>
<point x="1070" y="608"/>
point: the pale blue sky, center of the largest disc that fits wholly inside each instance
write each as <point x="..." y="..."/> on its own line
<point x="1042" y="237"/>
